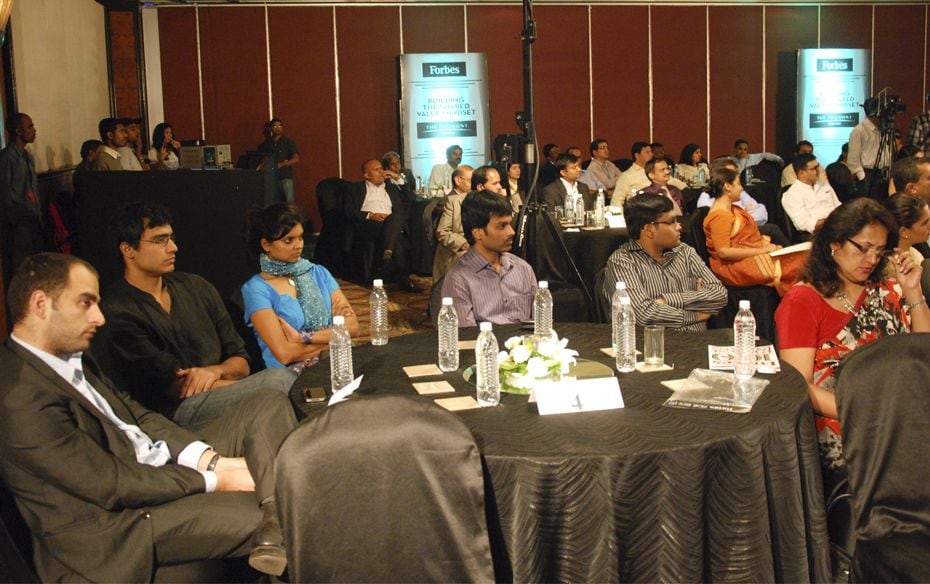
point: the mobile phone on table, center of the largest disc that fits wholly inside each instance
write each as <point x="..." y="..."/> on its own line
<point x="314" y="395"/>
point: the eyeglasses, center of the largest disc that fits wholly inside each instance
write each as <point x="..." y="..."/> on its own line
<point x="878" y="252"/>
<point x="162" y="240"/>
<point x="815" y="168"/>
<point x="673" y="221"/>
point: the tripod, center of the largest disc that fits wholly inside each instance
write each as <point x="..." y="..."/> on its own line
<point x="530" y="238"/>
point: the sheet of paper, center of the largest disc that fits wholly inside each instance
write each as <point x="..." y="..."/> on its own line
<point x="453" y="404"/>
<point x="572" y="396"/>
<point x="422" y="370"/>
<point x="615" y="221"/>
<point x="346" y="391"/>
<point x="791" y="249"/>
<point x="643" y="368"/>
<point x="466" y="345"/>
<point x="428" y="387"/>
<point x="609" y="351"/>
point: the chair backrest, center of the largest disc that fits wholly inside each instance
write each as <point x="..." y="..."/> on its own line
<point x="383" y="488"/>
<point x="883" y="400"/>
<point x="431" y="214"/>
<point x="329" y="194"/>
<point x="925" y="278"/>
<point x="15" y="542"/>
<point x="601" y="299"/>
<point x="435" y="299"/>
<point x="697" y="232"/>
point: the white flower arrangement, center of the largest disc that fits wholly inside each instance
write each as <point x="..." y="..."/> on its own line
<point x="530" y="358"/>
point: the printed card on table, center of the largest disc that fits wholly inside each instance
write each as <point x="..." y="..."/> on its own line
<point x="722" y="358"/>
<point x="422" y="370"/>
<point x="428" y="387"/>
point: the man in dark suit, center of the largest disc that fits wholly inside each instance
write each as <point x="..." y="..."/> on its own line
<point x="548" y="172"/>
<point x="377" y="211"/>
<point x="569" y="170"/>
<point x="109" y="489"/>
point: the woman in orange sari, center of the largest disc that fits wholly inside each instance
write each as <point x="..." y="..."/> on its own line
<point x="739" y="253"/>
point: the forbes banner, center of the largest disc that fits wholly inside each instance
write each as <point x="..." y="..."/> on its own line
<point x="832" y="83"/>
<point x="444" y="101"/>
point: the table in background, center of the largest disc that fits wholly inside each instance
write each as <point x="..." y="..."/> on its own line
<point x="590" y="249"/>
<point x="644" y="493"/>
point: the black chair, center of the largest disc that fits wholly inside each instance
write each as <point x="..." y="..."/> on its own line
<point x="383" y="488"/>
<point x="568" y="303"/>
<point x="883" y="400"/>
<point x="333" y="246"/>
<point x="435" y="300"/>
<point x="763" y="299"/>
<point x="623" y="164"/>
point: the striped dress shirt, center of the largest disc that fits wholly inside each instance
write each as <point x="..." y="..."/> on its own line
<point x="480" y="294"/>
<point x="675" y="280"/>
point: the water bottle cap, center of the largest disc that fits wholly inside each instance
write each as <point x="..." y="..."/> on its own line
<point x="620" y="286"/>
<point x="446" y="301"/>
<point x="543" y="284"/>
<point x="485" y="326"/>
<point x="625" y="300"/>
<point x="339" y="320"/>
<point x="744" y="305"/>
<point x="379" y="283"/>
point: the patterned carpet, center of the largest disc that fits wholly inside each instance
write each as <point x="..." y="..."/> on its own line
<point x="406" y="310"/>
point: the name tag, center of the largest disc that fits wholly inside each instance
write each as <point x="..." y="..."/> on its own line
<point x="584" y="395"/>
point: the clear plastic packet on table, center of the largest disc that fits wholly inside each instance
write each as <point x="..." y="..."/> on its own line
<point x="705" y="389"/>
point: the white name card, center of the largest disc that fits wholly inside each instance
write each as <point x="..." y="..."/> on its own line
<point x="585" y="395"/>
<point x="615" y="221"/>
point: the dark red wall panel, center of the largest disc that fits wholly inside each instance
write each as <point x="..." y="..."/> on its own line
<point x="735" y="78"/>
<point x="560" y="74"/>
<point x="302" y="72"/>
<point x="235" y="76"/>
<point x="620" y="72"/>
<point x="846" y="27"/>
<point x="679" y="93"/>
<point x="123" y="63"/>
<point x="177" y="37"/>
<point x="787" y="29"/>
<point x="369" y="42"/>
<point x="434" y="29"/>
<point x="899" y="35"/>
<point x="495" y="31"/>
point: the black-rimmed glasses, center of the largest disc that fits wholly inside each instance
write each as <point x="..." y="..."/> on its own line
<point x="879" y="252"/>
<point x="162" y="240"/>
<point x="673" y="221"/>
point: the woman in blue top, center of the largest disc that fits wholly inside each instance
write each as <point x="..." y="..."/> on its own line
<point x="290" y="304"/>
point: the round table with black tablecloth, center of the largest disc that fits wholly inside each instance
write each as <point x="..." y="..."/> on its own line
<point x="643" y="493"/>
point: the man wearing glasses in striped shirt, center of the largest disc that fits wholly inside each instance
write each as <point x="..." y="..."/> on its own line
<point x="668" y="283"/>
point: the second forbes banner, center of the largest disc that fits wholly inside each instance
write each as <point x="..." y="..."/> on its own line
<point x="444" y="101"/>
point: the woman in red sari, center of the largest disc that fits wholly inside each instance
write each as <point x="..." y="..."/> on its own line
<point x="843" y="302"/>
<point x="739" y="253"/>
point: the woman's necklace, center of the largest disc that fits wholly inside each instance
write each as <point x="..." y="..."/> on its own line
<point x="851" y="308"/>
<point x="290" y="280"/>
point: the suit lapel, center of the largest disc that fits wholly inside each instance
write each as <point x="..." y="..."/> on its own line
<point x="60" y="383"/>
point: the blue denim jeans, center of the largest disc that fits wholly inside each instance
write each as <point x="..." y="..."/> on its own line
<point x="197" y="411"/>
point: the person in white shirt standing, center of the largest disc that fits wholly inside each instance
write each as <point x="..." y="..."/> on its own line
<point x="808" y="202"/>
<point x="863" y="159"/>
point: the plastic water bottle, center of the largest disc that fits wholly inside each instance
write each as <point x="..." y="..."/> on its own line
<point x="700" y="179"/>
<point x="744" y="340"/>
<point x="377" y="303"/>
<point x="579" y="209"/>
<point x="448" y="324"/>
<point x="748" y="175"/>
<point x="486" y="370"/>
<point x="599" y="208"/>
<point x="419" y="185"/>
<point x="626" y="327"/>
<point x="340" y="354"/>
<point x="569" y="209"/>
<point x="619" y="292"/>
<point x="542" y="310"/>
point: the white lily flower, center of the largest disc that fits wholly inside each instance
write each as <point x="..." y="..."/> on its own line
<point x="520" y="353"/>
<point x="513" y="342"/>
<point x="536" y="367"/>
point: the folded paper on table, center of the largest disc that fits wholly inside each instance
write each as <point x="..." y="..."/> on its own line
<point x="422" y="370"/>
<point x="346" y="391"/>
<point x="428" y="387"/>
<point x="571" y="396"/>
<point x="722" y="358"/>
<point x="466" y="345"/>
<point x="454" y="404"/>
<point x="609" y="351"/>
<point x="615" y="221"/>
<point x="716" y="390"/>
<point x="791" y="249"/>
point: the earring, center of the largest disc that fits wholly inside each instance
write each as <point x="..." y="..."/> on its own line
<point x="905" y="236"/>
<point x="832" y="252"/>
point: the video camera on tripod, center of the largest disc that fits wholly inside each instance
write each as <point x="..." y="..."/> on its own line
<point x="885" y="107"/>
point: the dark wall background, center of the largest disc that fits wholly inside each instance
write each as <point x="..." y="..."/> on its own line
<point x="594" y="74"/>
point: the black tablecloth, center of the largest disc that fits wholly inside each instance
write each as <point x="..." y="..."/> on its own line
<point x="644" y="493"/>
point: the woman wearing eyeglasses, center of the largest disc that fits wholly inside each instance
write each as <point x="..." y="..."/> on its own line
<point x="842" y="302"/>
<point x="739" y="253"/>
<point x="291" y="301"/>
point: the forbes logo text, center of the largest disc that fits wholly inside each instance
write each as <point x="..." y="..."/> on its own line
<point x="834" y="64"/>
<point x="451" y="69"/>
